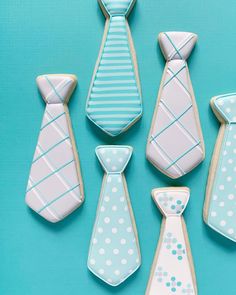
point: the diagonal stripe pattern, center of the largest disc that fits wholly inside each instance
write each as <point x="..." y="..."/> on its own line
<point x="55" y="187"/>
<point x="114" y="100"/>
<point x="175" y="145"/>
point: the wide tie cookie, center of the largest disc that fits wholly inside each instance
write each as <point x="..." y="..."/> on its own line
<point x="220" y="207"/>
<point x="172" y="270"/>
<point x="175" y="143"/>
<point x="114" y="101"/>
<point x="114" y="252"/>
<point x="55" y="187"/>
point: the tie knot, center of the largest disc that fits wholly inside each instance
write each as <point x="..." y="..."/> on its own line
<point x="113" y="158"/>
<point x="225" y="107"/>
<point x="56" y="89"/>
<point x="171" y="201"/>
<point x="117" y="7"/>
<point x="177" y="45"/>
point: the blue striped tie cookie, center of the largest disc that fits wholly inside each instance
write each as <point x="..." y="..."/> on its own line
<point x="114" y="101"/>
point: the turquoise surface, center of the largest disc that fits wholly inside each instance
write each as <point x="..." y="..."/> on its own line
<point x="44" y="36"/>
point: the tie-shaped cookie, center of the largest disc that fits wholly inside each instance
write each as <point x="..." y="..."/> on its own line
<point x="220" y="206"/>
<point x="172" y="270"/>
<point x="114" y="101"/>
<point x="55" y="187"/>
<point x="114" y="252"/>
<point x="175" y="143"/>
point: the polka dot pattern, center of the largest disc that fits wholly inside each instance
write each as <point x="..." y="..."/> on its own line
<point x="114" y="250"/>
<point x="114" y="158"/>
<point x="226" y="106"/>
<point x="222" y="206"/>
<point x="172" y="203"/>
<point x="172" y="272"/>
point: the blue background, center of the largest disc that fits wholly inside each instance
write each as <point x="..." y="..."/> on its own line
<point x="64" y="36"/>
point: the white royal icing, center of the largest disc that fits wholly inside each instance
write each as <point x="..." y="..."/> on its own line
<point x="175" y="144"/>
<point x="55" y="186"/>
<point x="172" y="268"/>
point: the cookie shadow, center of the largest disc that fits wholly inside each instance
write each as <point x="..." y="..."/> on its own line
<point x="118" y="288"/>
<point x="61" y="225"/>
<point x="221" y="241"/>
<point x="167" y="181"/>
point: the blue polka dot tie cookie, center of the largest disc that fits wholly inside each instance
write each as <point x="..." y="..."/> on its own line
<point x="172" y="271"/>
<point x="114" y="252"/>
<point x="220" y="206"/>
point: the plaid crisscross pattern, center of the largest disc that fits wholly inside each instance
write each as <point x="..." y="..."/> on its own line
<point x="54" y="186"/>
<point x="175" y="141"/>
<point x="177" y="49"/>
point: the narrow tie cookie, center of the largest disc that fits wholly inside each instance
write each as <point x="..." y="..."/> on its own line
<point x="175" y="144"/>
<point x="220" y="207"/>
<point x="114" y="253"/>
<point x="114" y="101"/>
<point x="55" y="187"/>
<point x="172" y="270"/>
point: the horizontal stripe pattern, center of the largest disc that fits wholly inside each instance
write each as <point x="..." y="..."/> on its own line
<point x="113" y="102"/>
<point x="114" y="93"/>
<point x="114" y="7"/>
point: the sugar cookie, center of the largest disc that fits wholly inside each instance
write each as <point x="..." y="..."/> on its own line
<point x="114" y="253"/>
<point x="114" y="101"/>
<point x="172" y="271"/>
<point x="175" y="144"/>
<point x="220" y="207"/>
<point x="55" y="187"/>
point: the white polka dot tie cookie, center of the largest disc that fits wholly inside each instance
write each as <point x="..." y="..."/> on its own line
<point x="114" y="252"/>
<point x="172" y="270"/>
<point x="220" y="206"/>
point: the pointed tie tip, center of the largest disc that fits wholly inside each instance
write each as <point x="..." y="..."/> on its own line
<point x="221" y="227"/>
<point x="114" y="101"/>
<point x="56" y="88"/>
<point x="46" y="214"/>
<point x="50" y="211"/>
<point x="172" y="200"/>
<point x="114" y="159"/>
<point x="175" y="171"/>
<point x="154" y="160"/>
<point x="177" y="45"/>
<point x="113" y="124"/>
<point x="224" y="107"/>
<point x="113" y="280"/>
